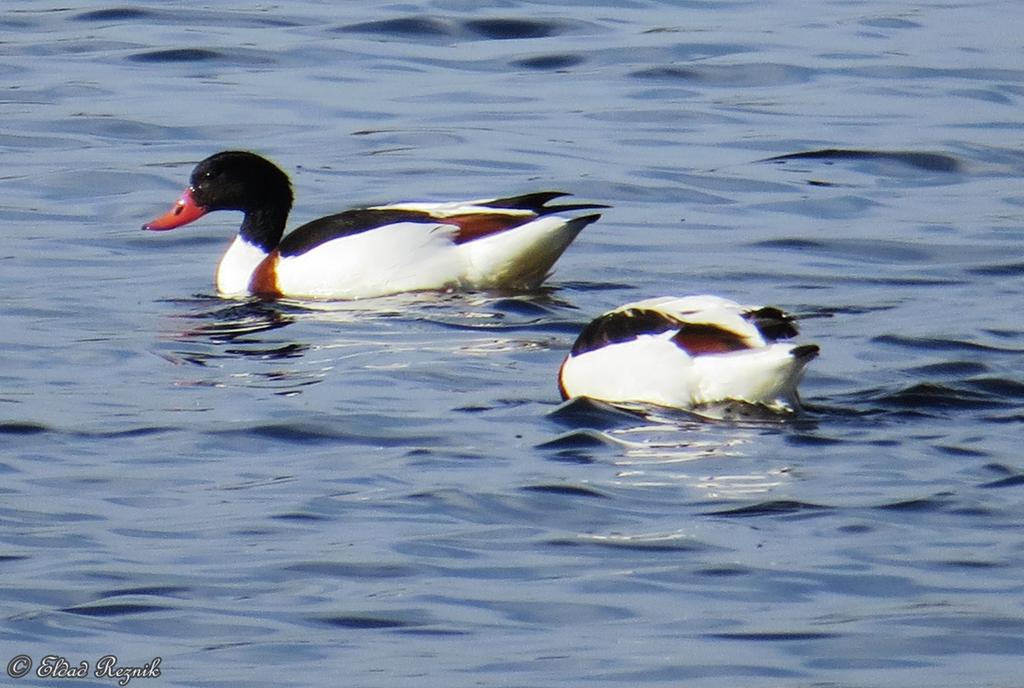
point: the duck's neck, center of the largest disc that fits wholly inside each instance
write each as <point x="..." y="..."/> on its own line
<point x="263" y="227"/>
<point x="259" y="234"/>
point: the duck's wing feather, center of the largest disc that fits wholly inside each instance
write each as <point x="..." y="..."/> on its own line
<point x="773" y="323"/>
<point x="472" y="220"/>
<point x="702" y="325"/>
<point x="759" y="324"/>
<point x="701" y="338"/>
<point x="622" y="325"/>
<point x="537" y="203"/>
<point x="347" y="223"/>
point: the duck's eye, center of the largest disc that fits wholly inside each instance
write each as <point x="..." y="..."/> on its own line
<point x="201" y="179"/>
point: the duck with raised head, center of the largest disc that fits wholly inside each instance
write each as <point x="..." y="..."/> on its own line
<point x="499" y="243"/>
<point x="687" y="352"/>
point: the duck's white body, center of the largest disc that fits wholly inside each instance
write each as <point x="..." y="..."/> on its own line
<point x="687" y="352"/>
<point x="399" y="257"/>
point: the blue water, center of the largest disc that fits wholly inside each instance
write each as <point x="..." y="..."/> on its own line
<point x="390" y="492"/>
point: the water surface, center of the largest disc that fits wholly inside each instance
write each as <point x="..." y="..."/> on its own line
<point x="278" y="494"/>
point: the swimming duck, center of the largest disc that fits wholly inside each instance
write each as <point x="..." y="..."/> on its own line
<point x="684" y="352"/>
<point x="375" y="251"/>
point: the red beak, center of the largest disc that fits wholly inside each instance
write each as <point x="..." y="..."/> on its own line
<point x="183" y="212"/>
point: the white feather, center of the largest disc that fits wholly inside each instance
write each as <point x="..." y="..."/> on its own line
<point x="521" y="257"/>
<point x="453" y="208"/>
<point x="406" y="256"/>
<point x="236" y="265"/>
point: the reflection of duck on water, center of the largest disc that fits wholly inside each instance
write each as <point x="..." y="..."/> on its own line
<point x="232" y="331"/>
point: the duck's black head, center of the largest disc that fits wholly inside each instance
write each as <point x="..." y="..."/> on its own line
<point x="238" y="180"/>
<point x="235" y="180"/>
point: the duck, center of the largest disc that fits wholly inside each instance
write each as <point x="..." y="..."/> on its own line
<point x="687" y="353"/>
<point x="486" y="244"/>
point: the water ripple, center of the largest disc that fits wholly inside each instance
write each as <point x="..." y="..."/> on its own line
<point x="117" y="14"/>
<point x="114" y="610"/>
<point x="928" y="162"/>
<point x="749" y="75"/>
<point x="551" y="62"/>
<point x="565" y="491"/>
<point x="202" y="55"/>
<point x="432" y="27"/>
<point x="777" y="507"/>
<point x="364" y="622"/>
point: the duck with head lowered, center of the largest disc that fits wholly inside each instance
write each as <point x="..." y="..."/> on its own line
<point x="688" y="353"/>
<point x="499" y="243"/>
